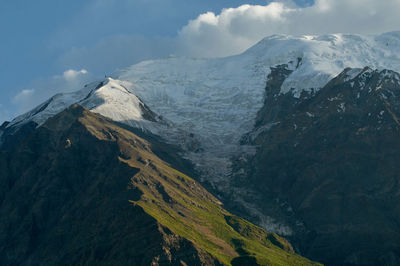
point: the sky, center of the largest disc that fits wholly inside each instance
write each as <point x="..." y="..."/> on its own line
<point x="52" y="46"/>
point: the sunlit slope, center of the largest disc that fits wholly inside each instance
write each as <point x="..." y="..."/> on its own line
<point x="96" y="193"/>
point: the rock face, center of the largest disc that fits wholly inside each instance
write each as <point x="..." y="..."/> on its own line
<point x="330" y="159"/>
<point x="81" y="190"/>
<point x="316" y="159"/>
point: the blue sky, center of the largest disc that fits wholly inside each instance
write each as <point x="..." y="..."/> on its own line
<point x="50" y="46"/>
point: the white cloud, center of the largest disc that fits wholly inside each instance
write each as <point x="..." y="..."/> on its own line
<point x="42" y="89"/>
<point x="231" y="31"/>
<point x="73" y="74"/>
<point x="23" y="95"/>
<point x="236" y="29"/>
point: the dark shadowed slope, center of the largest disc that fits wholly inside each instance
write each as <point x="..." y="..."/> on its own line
<point x="81" y="190"/>
<point x="331" y="159"/>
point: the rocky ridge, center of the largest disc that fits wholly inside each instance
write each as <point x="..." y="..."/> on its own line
<point x="80" y="189"/>
<point x="327" y="166"/>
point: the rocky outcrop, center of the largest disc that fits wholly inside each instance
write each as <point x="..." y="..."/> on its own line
<point x="330" y="160"/>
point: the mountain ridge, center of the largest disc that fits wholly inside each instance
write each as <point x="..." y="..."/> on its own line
<point x="222" y="112"/>
<point x="329" y="159"/>
<point x="92" y="190"/>
<point x="206" y="106"/>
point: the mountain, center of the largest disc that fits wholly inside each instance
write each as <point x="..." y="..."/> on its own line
<point x="298" y="134"/>
<point x="331" y="159"/>
<point x="207" y="105"/>
<point x="81" y="190"/>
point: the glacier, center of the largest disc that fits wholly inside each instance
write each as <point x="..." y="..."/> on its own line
<point x="205" y="105"/>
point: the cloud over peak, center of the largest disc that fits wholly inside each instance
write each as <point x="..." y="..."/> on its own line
<point x="236" y="29"/>
<point x="71" y="74"/>
<point x="210" y="34"/>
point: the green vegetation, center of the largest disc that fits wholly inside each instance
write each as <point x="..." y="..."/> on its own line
<point x="212" y="228"/>
<point x="105" y="198"/>
<point x="183" y="206"/>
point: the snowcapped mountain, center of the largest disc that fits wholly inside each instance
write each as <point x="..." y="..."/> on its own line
<point x="285" y="131"/>
<point x="330" y="161"/>
<point x="207" y="105"/>
<point x="108" y="97"/>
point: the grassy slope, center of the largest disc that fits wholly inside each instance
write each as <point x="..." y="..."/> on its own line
<point x="187" y="209"/>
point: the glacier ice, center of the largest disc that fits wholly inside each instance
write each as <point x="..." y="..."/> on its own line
<point x="207" y="105"/>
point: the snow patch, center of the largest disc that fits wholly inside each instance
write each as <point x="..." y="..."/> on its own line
<point x="310" y="114"/>
<point x="341" y="108"/>
<point x="352" y="73"/>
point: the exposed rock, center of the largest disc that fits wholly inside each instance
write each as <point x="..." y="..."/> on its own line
<point x="94" y="203"/>
<point x="332" y="159"/>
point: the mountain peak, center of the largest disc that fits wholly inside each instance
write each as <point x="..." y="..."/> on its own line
<point x="79" y="166"/>
<point x="325" y="56"/>
<point x="109" y="97"/>
<point x="207" y="105"/>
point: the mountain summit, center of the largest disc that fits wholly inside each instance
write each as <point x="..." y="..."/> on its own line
<point x="207" y="105"/>
<point x="298" y="134"/>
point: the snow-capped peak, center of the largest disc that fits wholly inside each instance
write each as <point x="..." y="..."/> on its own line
<point x="114" y="101"/>
<point x="108" y="97"/>
<point x="207" y="105"/>
<point x="325" y="56"/>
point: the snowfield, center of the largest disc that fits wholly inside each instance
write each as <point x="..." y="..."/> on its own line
<point x="207" y="105"/>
